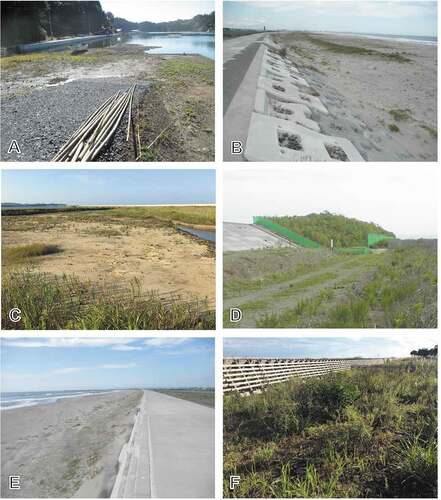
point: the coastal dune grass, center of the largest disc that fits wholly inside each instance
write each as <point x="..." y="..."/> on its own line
<point x="338" y="48"/>
<point x="56" y="303"/>
<point x="366" y="432"/>
<point x="22" y="254"/>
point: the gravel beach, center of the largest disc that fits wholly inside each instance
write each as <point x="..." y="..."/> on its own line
<point x="69" y="448"/>
<point x="381" y="94"/>
<point x="42" y="120"/>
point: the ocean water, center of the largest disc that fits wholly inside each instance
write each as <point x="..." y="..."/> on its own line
<point x="430" y="40"/>
<point x="9" y="400"/>
<point x="202" y="44"/>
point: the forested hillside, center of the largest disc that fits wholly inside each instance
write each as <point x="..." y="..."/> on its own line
<point x="322" y="227"/>
<point x="27" y="22"/>
<point x="201" y="23"/>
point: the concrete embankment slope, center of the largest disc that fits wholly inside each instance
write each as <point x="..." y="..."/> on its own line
<point x="170" y="452"/>
<point x="239" y="237"/>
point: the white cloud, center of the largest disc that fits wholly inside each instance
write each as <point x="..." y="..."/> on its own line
<point x="66" y="342"/>
<point x="165" y="342"/>
<point x="402" y="200"/>
<point x="123" y="347"/>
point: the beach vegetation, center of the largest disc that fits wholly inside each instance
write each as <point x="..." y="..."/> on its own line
<point x="339" y="48"/>
<point x="393" y="127"/>
<point x="22" y="254"/>
<point x="433" y="133"/>
<point x="363" y="433"/>
<point x="66" y="303"/>
<point x="205" y="397"/>
<point x="400" y="115"/>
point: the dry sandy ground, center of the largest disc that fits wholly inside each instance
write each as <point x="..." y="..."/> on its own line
<point x="360" y="91"/>
<point x="68" y="448"/>
<point x="122" y="61"/>
<point x="160" y="258"/>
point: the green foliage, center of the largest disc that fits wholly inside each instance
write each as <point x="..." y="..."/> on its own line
<point x="64" y="302"/>
<point x="367" y="432"/>
<point x="183" y="71"/>
<point x="24" y="253"/>
<point x="322" y="227"/>
<point x="393" y="127"/>
<point x="400" y="115"/>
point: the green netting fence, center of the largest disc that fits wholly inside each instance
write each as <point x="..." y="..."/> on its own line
<point x="286" y="233"/>
<point x="374" y="238"/>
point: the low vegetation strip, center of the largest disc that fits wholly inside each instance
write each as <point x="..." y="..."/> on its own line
<point x="24" y="253"/>
<point x="364" y="433"/>
<point x="204" y="397"/>
<point x="284" y="288"/>
<point x="57" y="303"/>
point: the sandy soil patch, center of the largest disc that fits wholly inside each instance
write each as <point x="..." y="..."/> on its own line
<point x="160" y="258"/>
<point x="385" y="105"/>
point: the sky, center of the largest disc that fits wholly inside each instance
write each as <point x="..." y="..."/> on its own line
<point x="108" y="187"/>
<point x="156" y="11"/>
<point x="400" y="199"/>
<point x="395" y="17"/>
<point x="347" y="346"/>
<point x="49" y="364"/>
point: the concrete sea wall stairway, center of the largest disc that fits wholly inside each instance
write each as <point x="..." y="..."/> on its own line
<point x="282" y="127"/>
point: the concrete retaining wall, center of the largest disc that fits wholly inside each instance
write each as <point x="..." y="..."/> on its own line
<point x="251" y="375"/>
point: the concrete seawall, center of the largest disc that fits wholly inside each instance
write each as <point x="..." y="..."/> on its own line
<point x="170" y="452"/>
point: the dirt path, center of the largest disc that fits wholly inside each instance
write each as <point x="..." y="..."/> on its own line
<point x="339" y="276"/>
<point x="160" y="258"/>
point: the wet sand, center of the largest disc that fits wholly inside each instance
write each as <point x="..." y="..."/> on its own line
<point x="364" y="90"/>
<point x="69" y="448"/>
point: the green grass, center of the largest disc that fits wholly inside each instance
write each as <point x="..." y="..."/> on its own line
<point x="393" y="128"/>
<point x="401" y="292"/>
<point x="41" y="63"/>
<point x="400" y="115"/>
<point x="57" y="303"/>
<point x="184" y="71"/>
<point x="432" y="132"/>
<point x="205" y="397"/>
<point x="204" y="215"/>
<point x="324" y="226"/>
<point x="367" y="432"/>
<point x="12" y="255"/>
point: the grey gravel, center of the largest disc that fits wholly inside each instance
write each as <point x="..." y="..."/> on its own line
<point x="42" y="120"/>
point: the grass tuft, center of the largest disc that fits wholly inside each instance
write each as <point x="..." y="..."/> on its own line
<point x="24" y="253"/>
<point x="58" y="303"/>
<point x="363" y="433"/>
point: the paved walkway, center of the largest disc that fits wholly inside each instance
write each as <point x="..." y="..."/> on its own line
<point x="171" y="451"/>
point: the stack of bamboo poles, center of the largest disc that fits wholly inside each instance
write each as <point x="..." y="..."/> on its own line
<point x="86" y="143"/>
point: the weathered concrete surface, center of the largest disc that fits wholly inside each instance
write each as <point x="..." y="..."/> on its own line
<point x="265" y="142"/>
<point x="239" y="237"/>
<point x="171" y="451"/>
<point x="287" y="91"/>
<point x="297" y="113"/>
<point x="237" y="116"/>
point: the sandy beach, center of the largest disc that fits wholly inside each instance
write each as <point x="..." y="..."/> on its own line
<point x="69" y="448"/>
<point x="380" y="94"/>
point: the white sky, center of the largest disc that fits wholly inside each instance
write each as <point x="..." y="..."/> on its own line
<point x="401" y="199"/>
<point x="157" y="11"/>
<point x="343" y="346"/>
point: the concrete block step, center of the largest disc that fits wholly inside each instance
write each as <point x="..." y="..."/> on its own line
<point x="287" y="92"/>
<point x="293" y="112"/>
<point x="273" y="139"/>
